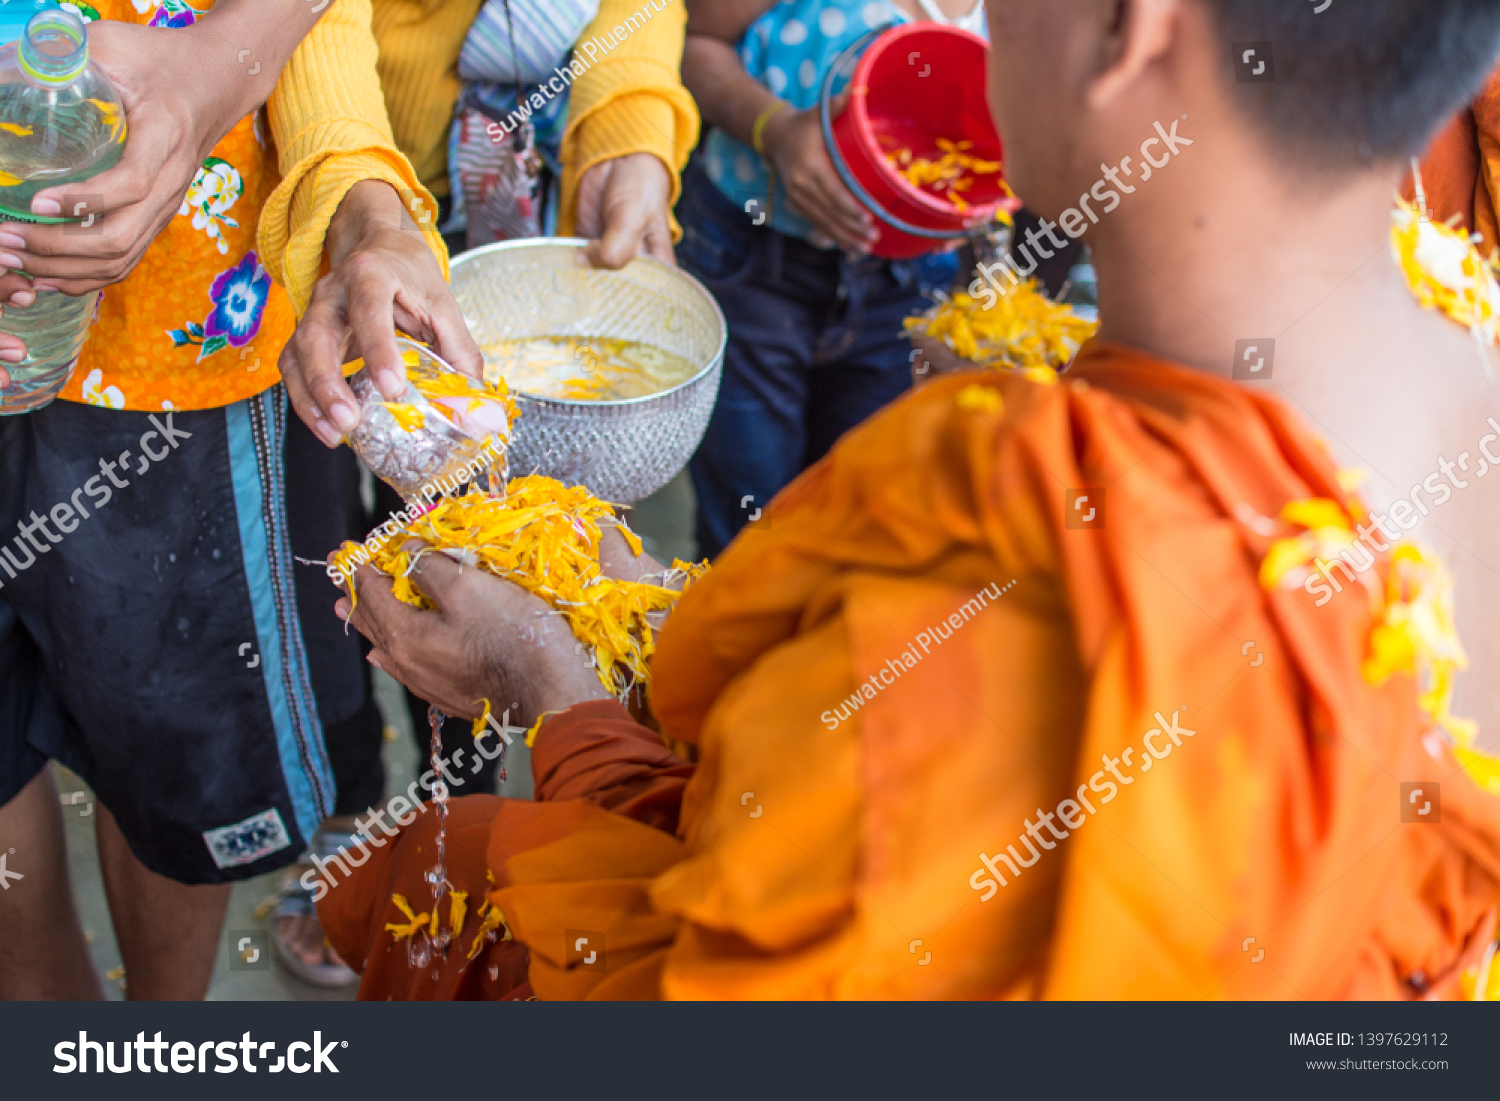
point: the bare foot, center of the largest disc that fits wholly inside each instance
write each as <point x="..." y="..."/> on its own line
<point x="302" y="937"/>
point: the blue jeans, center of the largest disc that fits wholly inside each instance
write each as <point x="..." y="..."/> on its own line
<point x="815" y="347"/>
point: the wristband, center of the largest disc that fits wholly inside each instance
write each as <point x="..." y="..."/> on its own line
<point x="758" y="131"/>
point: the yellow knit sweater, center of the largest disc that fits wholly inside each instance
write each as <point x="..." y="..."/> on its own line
<point x="631" y="99"/>
<point x="331" y="127"/>
<point x="329" y="122"/>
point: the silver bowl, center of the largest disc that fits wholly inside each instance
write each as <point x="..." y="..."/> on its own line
<point x="621" y="450"/>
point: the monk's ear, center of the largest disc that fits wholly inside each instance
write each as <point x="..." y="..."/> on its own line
<point x="1141" y="34"/>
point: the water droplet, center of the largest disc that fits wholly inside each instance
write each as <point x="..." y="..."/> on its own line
<point x="419" y="952"/>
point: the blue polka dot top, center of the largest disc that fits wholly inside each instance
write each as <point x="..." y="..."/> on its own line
<point x="789" y="50"/>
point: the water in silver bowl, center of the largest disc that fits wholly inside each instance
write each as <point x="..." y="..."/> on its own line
<point x="624" y="449"/>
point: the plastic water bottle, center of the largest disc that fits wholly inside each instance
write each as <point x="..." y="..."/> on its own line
<point x="61" y="122"/>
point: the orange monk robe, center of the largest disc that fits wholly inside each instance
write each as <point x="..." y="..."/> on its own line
<point x="820" y="856"/>
<point x="1461" y="171"/>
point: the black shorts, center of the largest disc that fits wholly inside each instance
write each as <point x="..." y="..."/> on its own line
<point x="149" y="636"/>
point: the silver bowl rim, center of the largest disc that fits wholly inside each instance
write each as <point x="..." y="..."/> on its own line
<point x="577" y="243"/>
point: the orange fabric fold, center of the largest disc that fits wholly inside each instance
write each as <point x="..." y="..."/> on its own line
<point x="958" y="742"/>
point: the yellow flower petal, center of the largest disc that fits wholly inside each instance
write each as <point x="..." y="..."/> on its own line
<point x="1318" y="512"/>
<point x="980" y="399"/>
<point x="1484" y="769"/>
<point x="458" y="907"/>
<point x="1022" y="330"/>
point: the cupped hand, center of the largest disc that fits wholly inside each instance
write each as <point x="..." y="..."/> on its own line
<point x="484" y="639"/>
<point x="383" y="277"/>
<point x="624" y="207"/>
<point x="931" y="359"/>
<point x="175" y="117"/>
<point x="618" y="561"/>
<point x="794" y="142"/>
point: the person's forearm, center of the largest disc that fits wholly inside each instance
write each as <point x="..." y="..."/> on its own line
<point x="726" y="20"/>
<point x="727" y="96"/>
<point x="369" y="207"/>
<point x="595" y="751"/>
<point x="245" y="44"/>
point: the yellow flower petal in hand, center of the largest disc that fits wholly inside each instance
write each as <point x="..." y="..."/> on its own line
<point x="483" y="721"/>
<point x="1022" y="330"/>
<point x="409" y="417"/>
<point x="545" y="538"/>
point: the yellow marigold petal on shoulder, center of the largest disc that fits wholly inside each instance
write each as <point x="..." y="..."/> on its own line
<point x="415" y="922"/>
<point x="1409" y="552"/>
<point x="980" y="399"/>
<point x="1315" y="513"/>
<point x="1463" y="731"/>
<point x="1284" y="556"/>
<point x="536" y="727"/>
<point x="492" y="918"/>
<point x="1392" y="650"/>
<point x="1481" y="767"/>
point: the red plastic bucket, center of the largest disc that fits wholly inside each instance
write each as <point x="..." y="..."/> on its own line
<point x="918" y="82"/>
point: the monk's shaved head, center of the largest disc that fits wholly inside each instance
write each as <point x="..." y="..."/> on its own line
<point x="1371" y="77"/>
<point x="1076" y="84"/>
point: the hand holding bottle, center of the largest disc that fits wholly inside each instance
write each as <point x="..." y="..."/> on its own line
<point x="183" y="90"/>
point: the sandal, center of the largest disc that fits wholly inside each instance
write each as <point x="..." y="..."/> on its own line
<point x="292" y="900"/>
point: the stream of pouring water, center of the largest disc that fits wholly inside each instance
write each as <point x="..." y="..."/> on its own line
<point x="420" y="947"/>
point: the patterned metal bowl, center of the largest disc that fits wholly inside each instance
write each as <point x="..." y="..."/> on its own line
<point x="621" y="450"/>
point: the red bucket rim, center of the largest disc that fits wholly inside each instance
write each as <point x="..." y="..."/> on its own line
<point x="977" y="214"/>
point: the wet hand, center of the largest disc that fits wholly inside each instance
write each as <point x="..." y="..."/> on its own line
<point x="383" y="277"/>
<point x="176" y="113"/>
<point x="485" y="639"/>
<point x="932" y="359"/>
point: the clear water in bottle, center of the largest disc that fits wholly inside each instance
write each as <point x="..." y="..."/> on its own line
<point x="61" y="122"/>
